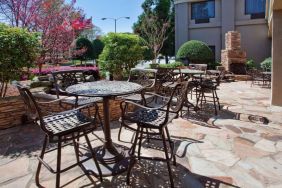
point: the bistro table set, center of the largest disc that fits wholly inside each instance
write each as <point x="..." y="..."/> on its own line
<point x="157" y="97"/>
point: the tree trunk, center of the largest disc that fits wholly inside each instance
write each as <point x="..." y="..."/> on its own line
<point x="166" y="59"/>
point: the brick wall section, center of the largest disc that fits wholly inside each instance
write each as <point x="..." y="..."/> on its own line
<point x="12" y="110"/>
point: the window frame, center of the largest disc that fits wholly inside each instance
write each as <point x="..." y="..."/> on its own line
<point x="260" y="15"/>
<point x="202" y="20"/>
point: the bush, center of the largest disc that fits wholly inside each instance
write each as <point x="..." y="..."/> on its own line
<point x="196" y="52"/>
<point x="18" y="49"/>
<point x="266" y="64"/>
<point x="87" y="53"/>
<point x="172" y="65"/>
<point x="213" y="64"/>
<point x="250" y="64"/>
<point x="122" y="52"/>
<point x="98" y="47"/>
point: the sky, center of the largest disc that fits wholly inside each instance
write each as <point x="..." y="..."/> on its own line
<point x="98" y="9"/>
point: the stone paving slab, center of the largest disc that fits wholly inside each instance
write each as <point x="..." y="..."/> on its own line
<point x="228" y="150"/>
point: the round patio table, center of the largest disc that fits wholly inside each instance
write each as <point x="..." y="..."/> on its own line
<point x="112" y="158"/>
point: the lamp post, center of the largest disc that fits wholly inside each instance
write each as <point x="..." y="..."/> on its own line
<point x="115" y="19"/>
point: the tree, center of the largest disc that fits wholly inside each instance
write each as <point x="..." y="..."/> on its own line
<point x="156" y="26"/>
<point x="121" y="53"/>
<point x="98" y="47"/>
<point x="19" y="13"/>
<point x="19" y="48"/>
<point x="92" y="33"/>
<point x="58" y="22"/>
<point x="87" y="47"/>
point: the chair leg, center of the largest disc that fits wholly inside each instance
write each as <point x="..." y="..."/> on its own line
<point x="214" y="103"/>
<point x="94" y="158"/>
<point x="219" y="108"/>
<point x="119" y="132"/>
<point x="167" y="160"/>
<point x="39" y="163"/>
<point x="75" y="146"/>
<point x="140" y="143"/>
<point x="131" y="153"/>
<point x="171" y="146"/>
<point x="58" y="171"/>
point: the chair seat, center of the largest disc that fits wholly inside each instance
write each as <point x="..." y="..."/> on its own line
<point x="66" y="122"/>
<point x="81" y="100"/>
<point x="149" y="118"/>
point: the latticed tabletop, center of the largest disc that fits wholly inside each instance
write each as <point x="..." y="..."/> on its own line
<point x="104" y="88"/>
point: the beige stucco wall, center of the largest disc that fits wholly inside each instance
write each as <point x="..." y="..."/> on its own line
<point x="229" y="15"/>
<point x="210" y="35"/>
<point x="255" y="41"/>
<point x="276" y="98"/>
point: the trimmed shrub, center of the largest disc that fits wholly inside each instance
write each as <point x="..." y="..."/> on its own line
<point x="172" y="65"/>
<point x="98" y="47"/>
<point x="18" y="49"/>
<point x="266" y="64"/>
<point x="122" y="52"/>
<point x="196" y="52"/>
<point x="88" y="52"/>
<point x="250" y="64"/>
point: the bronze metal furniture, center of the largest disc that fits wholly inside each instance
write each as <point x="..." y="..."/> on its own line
<point x="60" y="128"/>
<point x="113" y="159"/>
<point x="207" y="86"/>
<point x="166" y="79"/>
<point x="64" y="79"/>
<point x="155" y="119"/>
<point x="144" y="78"/>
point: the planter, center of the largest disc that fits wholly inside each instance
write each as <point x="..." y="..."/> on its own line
<point x="12" y="111"/>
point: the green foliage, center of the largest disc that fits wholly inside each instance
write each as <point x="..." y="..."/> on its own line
<point x="266" y="64"/>
<point x="84" y="43"/>
<point x="213" y="64"/>
<point x="121" y="53"/>
<point x="98" y="47"/>
<point x="18" y="48"/>
<point x="164" y="11"/>
<point x="250" y="64"/>
<point x="195" y="51"/>
<point x="172" y="65"/>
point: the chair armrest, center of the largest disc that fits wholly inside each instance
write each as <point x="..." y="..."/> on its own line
<point x="142" y="106"/>
<point x="52" y="101"/>
<point x="155" y="94"/>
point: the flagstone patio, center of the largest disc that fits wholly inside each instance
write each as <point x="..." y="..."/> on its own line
<point x="241" y="147"/>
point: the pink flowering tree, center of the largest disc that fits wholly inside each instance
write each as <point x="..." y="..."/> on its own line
<point x="58" y="22"/>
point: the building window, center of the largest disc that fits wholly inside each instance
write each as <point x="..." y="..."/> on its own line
<point x="201" y="12"/>
<point x="255" y="8"/>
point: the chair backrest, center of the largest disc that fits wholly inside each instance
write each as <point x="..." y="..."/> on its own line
<point x="165" y="75"/>
<point x="179" y="96"/>
<point x="64" y="79"/>
<point x="142" y="77"/>
<point x="90" y="75"/>
<point x="33" y="110"/>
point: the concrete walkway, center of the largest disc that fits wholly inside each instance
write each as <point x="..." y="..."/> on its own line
<point x="241" y="147"/>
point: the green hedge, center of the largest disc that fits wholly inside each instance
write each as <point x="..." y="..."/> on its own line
<point x="266" y="64"/>
<point x="195" y="51"/>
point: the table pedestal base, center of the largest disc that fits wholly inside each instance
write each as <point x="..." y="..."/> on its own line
<point x="112" y="161"/>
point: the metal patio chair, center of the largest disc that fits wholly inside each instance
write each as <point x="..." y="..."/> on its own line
<point x="156" y="120"/>
<point x="64" y="79"/>
<point x="59" y="128"/>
